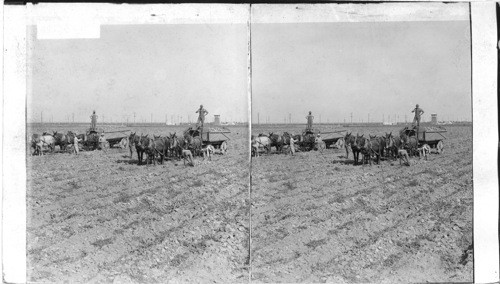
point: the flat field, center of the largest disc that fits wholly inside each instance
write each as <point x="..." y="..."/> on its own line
<point x="99" y="217"/>
<point x="318" y="218"/>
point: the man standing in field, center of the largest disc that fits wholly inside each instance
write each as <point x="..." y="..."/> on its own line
<point x="309" y="122"/>
<point x="418" y="114"/>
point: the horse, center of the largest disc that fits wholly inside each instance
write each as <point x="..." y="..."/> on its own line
<point x="158" y="146"/>
<point x="365" y="148"/>
<point x="424" y="151"/>
<point x="353" y="142"/>
<point x="140" y="143"/>
<point x="61" y="140"/>
<point x="177" y="145"/>
<point x="276" y="141"/>
<point x="36" y="145"/>
<point x="377" y="146"/>
<point x="49" y="141"/>
<point x="133" y="139"/>
<point x="194" y="143"/>
<point x="410" y="143"/>
<point x="261" y="142"/>
<point x="208" y="152"/>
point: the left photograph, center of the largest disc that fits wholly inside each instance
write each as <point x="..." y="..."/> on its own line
<point x="137" y="151"/>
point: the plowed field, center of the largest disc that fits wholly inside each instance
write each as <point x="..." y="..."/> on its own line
<point x="318" y="218"/>
<point x="99" y="217"/>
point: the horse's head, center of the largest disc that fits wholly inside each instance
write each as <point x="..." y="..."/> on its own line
<point x="156" y="137"/>
<point x="372" y="136"/>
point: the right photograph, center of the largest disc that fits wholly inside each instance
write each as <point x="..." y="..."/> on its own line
<point x="361" y="143"/>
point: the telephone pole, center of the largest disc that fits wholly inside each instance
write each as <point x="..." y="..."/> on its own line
<point x="351" y="117"/>
<point x="258" y="118"/>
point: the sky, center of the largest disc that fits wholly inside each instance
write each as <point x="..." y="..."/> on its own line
<point x="376" y="69"/>
<point x="163" y="70"/>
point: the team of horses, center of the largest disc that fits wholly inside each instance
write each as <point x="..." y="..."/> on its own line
<point x="388" y="146"/>
<point x="170" y="146"/>
<point x="51" y="140"/>
<point x="283" y="143"/>
<point x="373" y="147"/>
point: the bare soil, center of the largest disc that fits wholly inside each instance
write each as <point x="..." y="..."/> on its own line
<point x="318" y="218"/>
<point x="99" y="217"/>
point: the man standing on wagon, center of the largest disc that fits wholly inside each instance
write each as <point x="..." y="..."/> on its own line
<point x="93" y="122"/>
<point x="418" y="114"/>
<point x="201" y="117"/>
<point x="309" y="122"/>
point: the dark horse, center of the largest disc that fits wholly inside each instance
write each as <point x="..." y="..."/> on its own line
<point x="410" y="143"/>
<point x="353" y="141"/>
<point x="194" y="144"/>
<point x="158" y="146"/>
<point x="177" y="145"/>
<point x="140" y="143"/>
<point x="377" y="146"/>
<point x="62" y="140"/>
<point x="276" y="141"/>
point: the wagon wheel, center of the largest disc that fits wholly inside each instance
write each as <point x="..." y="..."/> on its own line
<point x="440" y="147"/>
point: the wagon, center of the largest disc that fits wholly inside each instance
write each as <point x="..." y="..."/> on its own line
<point x="212" y="136"/>
<point x="91" y="139"/>
<point x="429" y="135"/>
<point x="331" y="138"/>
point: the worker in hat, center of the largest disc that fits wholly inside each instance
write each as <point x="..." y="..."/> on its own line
<point x="309" y="122"/>
<point x="201" y="116"/>
<point x="75" y="143"/>
<point x="418" y="114"/>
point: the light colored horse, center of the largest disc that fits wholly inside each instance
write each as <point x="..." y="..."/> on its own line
<point x="424" y="151"/>
<point x="208" y="152"/>
<point x="47" y="141"/>
<point x="260" y="144"/>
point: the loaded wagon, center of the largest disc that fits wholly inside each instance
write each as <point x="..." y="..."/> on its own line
<point x="429" y="135"/>
<point x="212" y="136"/>
<point x="331" y="139"/>
<point x="92" y="140"/>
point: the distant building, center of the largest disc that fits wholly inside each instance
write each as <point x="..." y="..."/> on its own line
<point x="217" y="119"/>
<point x="434" y="118"/>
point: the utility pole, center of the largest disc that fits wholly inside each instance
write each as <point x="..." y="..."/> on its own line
<point x="134" y="117"/>
<point x="41" y="117"/>
<point x="258" y="118"/>
<point x="351" y="117"/>
<point x="320" y="118"/>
